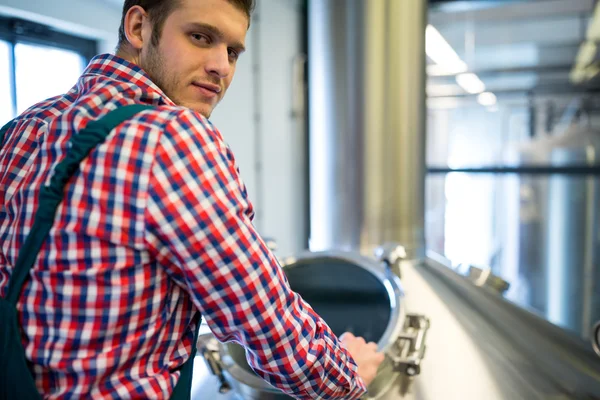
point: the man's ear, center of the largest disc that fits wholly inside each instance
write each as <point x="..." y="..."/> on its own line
<point x="136" y="21"/>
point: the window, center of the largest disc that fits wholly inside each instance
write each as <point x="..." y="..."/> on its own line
<point x="513" y="144"/>
<point x="6" y="100"/>
<point x="37" y="81"/>
<point x="37" y="62"/>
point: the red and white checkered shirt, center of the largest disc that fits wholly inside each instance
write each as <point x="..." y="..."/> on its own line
<point x="154" y="227"/>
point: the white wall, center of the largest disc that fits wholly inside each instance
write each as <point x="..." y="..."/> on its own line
<point x="269" y="150"/>
<point x="275" y="172"/>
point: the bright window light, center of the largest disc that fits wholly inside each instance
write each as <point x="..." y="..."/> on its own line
<point x="37" y="81"/>
<point x="438" y="49"/>
<point x="6" y="111"/>
<point x="487" y="99"/>
<point x="470" y="83"/>
<point x="439" y="70"/>
<point x="442" y="103"/>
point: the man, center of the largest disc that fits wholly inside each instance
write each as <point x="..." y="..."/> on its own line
<point x="156" y="226"/>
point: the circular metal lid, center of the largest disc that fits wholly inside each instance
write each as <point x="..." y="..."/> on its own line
<point x="350" y="292"/>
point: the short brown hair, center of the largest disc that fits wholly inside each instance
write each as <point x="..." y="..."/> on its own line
<point x="159" y="10"/>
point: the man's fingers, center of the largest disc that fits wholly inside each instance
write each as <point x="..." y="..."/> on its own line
<point x="372" y="346"/>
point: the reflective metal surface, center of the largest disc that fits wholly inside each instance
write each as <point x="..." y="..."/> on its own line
<point x="478" y="347"/>
<point x="367" y="123"/>
<point x="559" y="228"/>
<point x="227" y="363"/>
<point x="351" y="293"/>
<point x="468" y="356"/>
<point x="538" y="232"/>
<point x="547" y="356"/>
<point x="391" y="254"/>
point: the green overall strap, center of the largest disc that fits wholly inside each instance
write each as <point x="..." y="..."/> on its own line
<point x="183" y="389"/>
<point x="51" y="196"/>
<point x="16" y="381"/>
<point x="3" y="131"/>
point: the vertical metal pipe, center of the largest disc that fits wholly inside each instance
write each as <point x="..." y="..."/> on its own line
<point x="367" y="123"/>
<point x="335" y="82"/>
<point x="404" y="143"/>
<point x="588" y="249"/>
<point x="376" y="69"/>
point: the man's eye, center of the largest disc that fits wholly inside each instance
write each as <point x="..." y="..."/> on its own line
<point x="233" y="54"/>
<point x="200" y="37"/>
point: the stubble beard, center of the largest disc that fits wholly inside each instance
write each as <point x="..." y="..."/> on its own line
<point x="154" y="66"/>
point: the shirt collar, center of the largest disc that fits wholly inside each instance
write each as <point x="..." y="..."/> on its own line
<point x="119" y="69"/>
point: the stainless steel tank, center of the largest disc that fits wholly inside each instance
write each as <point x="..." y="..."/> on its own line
<point x="352" y="293"/>
<point x="479" y="346"/>
<point x="558" y="229"/>
<point x="366" y="76"/>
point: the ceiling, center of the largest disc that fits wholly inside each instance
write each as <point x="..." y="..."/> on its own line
<point x="514" y="47"/>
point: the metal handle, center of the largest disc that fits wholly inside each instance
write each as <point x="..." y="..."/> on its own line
<point x="411" y="344"/>
<point x="209" y="348"/>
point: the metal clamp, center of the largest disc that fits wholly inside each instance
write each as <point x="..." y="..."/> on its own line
<point x="391" y="254"/>
<point x="411" y="345"/>
<point x="210" y="352"/>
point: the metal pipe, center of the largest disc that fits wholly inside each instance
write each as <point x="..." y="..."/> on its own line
<point x="367" y="123"/>
<point x="589" y="247"/>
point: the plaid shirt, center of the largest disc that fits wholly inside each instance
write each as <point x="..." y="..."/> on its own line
<point x="155" y="227"/>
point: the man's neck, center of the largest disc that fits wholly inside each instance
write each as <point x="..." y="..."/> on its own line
<point x="128" y="54"/>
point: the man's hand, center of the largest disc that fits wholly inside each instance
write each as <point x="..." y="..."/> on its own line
<point x="364" y="354"/>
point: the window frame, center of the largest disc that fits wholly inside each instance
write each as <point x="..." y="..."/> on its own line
<point x="17" y="30"/>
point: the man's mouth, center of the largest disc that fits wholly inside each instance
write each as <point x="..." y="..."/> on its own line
<point x="207" y="89"/>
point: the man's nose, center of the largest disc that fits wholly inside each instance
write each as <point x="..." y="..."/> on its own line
<point x="218" y="62"/>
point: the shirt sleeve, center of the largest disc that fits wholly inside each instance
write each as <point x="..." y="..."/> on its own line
<point x="199" y="227"/>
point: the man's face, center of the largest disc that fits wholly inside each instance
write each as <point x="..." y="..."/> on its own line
<point x="195" y="59"/>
